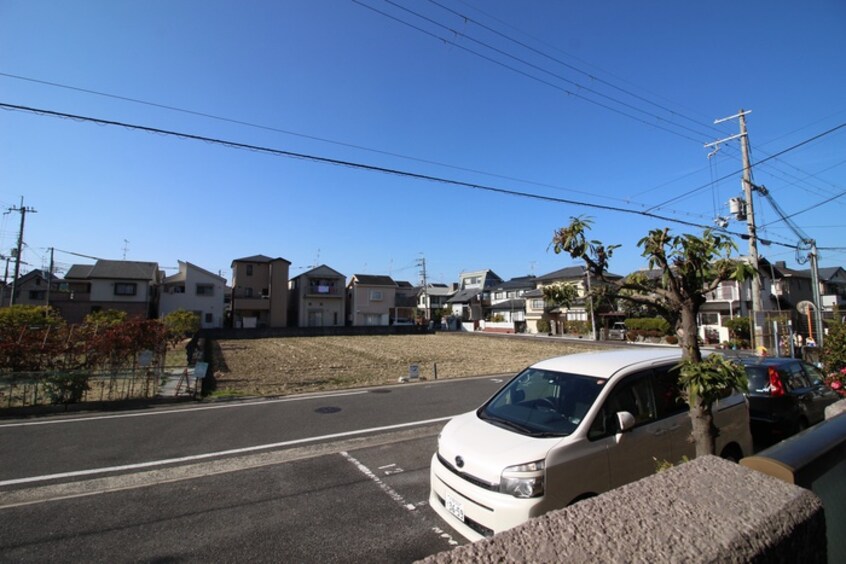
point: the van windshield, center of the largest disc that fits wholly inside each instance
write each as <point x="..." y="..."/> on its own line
<point x="542" y="403"/>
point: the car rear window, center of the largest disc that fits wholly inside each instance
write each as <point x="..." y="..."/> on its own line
<point x="759" y="379"/>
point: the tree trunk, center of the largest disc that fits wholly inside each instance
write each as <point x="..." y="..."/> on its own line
<point x="704" y="434"/>
<point x="690" y="334"/>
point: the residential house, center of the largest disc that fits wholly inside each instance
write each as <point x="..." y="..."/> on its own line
<point x="472" y="301"/>
<point x="782" y="289"/>
<point x="405" y="303"/>
<point x="563" y="319"/>
<point x="832" y="281"/>
<point x="317" y="298"/>
<point x="433" y="298"/>
<point x="123" y="285"/>
<point x="370" y="300"/>
<point x="197" y="290"/>
<point x="30" y="289"/>
<point x="259" y="292"/>
<point x="508" y="303"/>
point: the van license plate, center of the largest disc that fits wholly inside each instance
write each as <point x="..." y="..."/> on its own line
<point x="455" y="507"/>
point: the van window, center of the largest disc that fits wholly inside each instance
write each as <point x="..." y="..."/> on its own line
<point x="633" y="395"/>
<point x="542" y="402"/>
<point x="668" y="398"/>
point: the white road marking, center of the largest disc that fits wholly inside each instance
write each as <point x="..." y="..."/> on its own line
<point x="186" y="410"/>
<point x="191" y="458"/>
<point x="392" y="493"/>
<point x="444" y="535"/>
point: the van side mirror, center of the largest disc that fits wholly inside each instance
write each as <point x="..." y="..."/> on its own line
<point x="625" y="421"/>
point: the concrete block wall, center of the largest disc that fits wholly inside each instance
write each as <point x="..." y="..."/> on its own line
<point x="706" y="510"/>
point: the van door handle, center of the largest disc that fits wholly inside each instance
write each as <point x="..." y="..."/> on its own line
<point x="658" y="432"/>
<point x="673" y="427"/>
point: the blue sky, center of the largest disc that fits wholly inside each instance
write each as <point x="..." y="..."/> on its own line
<point x="606" y="103"/>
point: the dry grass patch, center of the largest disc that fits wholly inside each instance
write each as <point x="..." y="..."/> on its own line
<point x="306" y="364"/>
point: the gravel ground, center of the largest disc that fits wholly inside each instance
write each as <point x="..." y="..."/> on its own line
<point x="283" y="366"/>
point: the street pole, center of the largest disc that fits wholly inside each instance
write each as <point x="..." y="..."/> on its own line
<point x="757" y="306"/>
<point x="22" y="211"/>
<point x="49" y="278"/>
<point x="815" y="282"/>
<point x="757" y="309"/>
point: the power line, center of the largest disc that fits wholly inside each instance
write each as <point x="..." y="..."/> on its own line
<point x="306" y="136"/>
<point x="355" y="165"/>
<point x="752" y="165"/>
<point x="569" y="66"/>
<point x="528" y="75"/>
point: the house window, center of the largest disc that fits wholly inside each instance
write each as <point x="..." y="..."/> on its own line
<point x="537" y="304"/>
<point x="709" y="318"/>
<point x="126" y="288"/>
<point x="205" y="289"/>
<point x="249" y="270"/>
<point x="209" y="317"/>
<point x="37" y="294"/>
<point x="248" y="292"/>
<point x="179" y="289"/>
<point x="375" y="295"/>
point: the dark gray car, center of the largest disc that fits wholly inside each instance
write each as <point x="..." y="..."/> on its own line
<point x="785" y="395"/>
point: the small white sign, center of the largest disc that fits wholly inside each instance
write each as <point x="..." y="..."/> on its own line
<point x="145" y="358"/>
<point x="413" y="372"/>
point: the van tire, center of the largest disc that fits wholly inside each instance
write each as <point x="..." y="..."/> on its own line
<point x="732" y="453"/>
<point x="581" y="498"/>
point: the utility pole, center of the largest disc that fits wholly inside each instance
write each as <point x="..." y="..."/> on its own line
<point x="815" y="282"/>
<point x="757" y="306"/>
<point x="427" y="307"/>
<point x="23" y="211"/>
<point x="49" y="278"/>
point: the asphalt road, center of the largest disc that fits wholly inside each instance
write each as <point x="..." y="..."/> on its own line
<point x="337" y="477"/>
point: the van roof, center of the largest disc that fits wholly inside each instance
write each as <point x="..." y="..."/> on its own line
<point x="604" y="364"/>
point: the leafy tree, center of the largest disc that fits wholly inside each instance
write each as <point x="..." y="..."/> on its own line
<point x="181" y="323"/>
<point x="690" y="267"/>
<point x="560" y="294"/>
<point x="834" y="345"/>
<point x="106" y="318"/>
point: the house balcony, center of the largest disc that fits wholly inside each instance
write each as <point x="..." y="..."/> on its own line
<point x="318" y="292"/>
<point x="252" y="304"/>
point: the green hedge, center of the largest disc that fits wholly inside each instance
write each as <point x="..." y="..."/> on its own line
<point x="649" y="324"/>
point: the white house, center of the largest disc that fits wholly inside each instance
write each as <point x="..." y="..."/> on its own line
<point x="197" y="290"/>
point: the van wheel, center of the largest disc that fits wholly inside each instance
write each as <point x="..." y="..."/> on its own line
<point x="581" y="498"/>
<point x="731" y="453"/>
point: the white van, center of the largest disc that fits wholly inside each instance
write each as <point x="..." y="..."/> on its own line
<point x="566" y="429"/>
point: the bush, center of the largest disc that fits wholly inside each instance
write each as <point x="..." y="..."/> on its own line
<point x="67" y="388"/>
<point x="577" y="327"/>
<point x="543" y="326"/>
<point x="656" y="324"/>
<point x="738" y="328"/>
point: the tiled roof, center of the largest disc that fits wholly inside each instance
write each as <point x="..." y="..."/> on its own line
<point x="259" y="259"/>
<point x="374" y="280"/>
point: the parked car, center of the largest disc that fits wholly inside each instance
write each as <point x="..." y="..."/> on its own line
<point x="617" y="331"/>
<point x="786" y="395"/>
<point x="566" y="429"/>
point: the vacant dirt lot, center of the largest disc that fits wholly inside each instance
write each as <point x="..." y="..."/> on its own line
<point x="306" y="364"/>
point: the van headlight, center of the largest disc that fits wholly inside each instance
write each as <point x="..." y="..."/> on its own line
<point x="523" y="480"/>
